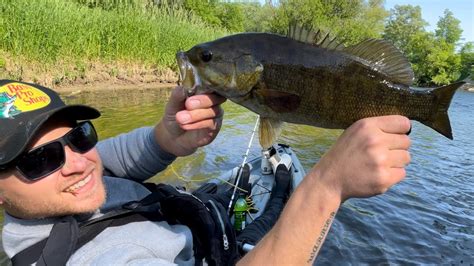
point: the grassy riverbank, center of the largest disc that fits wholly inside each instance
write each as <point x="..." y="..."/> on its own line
<point x="57" y="42"/>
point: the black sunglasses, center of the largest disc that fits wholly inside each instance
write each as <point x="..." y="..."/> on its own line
<point x="49" y="157"/>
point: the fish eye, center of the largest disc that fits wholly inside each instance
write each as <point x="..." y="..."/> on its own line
<point x="206" y="56"/>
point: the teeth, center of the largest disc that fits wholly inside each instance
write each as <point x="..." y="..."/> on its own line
<point x="79" y="184"/>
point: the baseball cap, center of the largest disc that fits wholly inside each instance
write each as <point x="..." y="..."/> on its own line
<point x="24" y="108"/>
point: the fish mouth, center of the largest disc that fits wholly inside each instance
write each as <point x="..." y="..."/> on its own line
<point x="188" y="76"/>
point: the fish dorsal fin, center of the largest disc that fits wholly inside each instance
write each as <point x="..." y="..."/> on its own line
<point x="384" y="57"/>
<point x="313" y="37"/>
<point x="269" y="132"/>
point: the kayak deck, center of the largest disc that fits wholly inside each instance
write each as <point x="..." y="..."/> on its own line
<point x="262" y="183"/>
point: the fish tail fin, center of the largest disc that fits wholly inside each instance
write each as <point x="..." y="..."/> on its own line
<point x="439" y="121"/>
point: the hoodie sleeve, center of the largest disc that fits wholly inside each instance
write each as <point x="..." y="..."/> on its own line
<point x="135" y="155"/>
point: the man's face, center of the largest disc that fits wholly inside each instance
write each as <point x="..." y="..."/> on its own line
<point x="75" y="188"/>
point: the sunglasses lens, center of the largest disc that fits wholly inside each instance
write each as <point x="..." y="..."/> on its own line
<point x="83" y="138"/>
<point x="41" y="161"/>
<point x="46" y="159"/>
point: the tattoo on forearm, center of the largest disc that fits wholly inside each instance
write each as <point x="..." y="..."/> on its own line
<point x="321" y="237"/>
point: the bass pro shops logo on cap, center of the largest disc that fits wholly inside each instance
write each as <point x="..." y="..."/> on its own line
<point x="16" y="98"/>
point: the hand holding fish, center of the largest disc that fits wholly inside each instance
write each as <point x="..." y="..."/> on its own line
<point x="368" y="158"/>
<point x="189" y="123"/>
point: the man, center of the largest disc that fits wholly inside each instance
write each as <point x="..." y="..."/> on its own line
<point x="51" y="168"/>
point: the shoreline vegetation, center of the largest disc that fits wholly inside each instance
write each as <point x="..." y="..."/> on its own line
<point x="72" y="45"/>
<point x="65" y="44"/>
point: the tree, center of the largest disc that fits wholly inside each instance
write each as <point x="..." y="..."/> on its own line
<point x="444" y="63"/>
<point x="351" y="21"/>
<point x="258" y="18"/>
<point x="467" y="60"/>
<point x="231" y="16"/>
<point x="444" y="66"/>
<point x="405" y="22"/>
<point x="405" y="28"/>
<point x="206" y="9"/>
<point x="448" y="28"/>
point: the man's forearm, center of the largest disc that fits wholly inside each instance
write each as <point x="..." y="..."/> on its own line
<point x="303" y="225"/>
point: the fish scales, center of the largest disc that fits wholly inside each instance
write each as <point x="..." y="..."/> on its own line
<point x="329" y="100"/>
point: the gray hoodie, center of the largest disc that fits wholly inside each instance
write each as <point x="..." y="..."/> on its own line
<point x="137" y="156"/>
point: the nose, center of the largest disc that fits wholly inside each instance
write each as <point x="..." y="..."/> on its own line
<point x="75" y="163"/>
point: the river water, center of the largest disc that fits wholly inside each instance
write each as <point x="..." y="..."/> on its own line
<point x="426" y="219"/>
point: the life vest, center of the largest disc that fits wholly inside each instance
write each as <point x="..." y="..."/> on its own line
<point x="202" y="211"/>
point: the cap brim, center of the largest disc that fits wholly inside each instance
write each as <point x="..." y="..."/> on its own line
<point x="68" y="112"/>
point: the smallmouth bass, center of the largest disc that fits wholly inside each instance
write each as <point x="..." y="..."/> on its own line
<point x="308" y="78"/>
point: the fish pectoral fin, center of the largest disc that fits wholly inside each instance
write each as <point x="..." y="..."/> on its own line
<point x="269" y="132"/>
<point x="314" y="37"/>
<point x="278" y="101"/>
<point x="385" y="58"/>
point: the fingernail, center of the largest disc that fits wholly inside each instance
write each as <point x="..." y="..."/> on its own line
<point x="409" y="131"/>
<point x="184" y="118"/>
<point x="194" y="103"/>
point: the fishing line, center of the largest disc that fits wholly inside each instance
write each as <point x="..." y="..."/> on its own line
<point x="242" y="165"/>
<point x="189" y="180"/>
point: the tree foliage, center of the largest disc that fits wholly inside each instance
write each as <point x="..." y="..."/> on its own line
<point x="443" y="65"/>
<point x="351" y="21"/>
<point x="467" y="60"/>
<point x="432" y="56"/>
<point x="231" y="16"/>
<point x="404" y="24"/>
<point x="206" y="9"/>
<point x="258" y="18"/>
<point x="448" y="28"/>
<point x="217" y="13"/>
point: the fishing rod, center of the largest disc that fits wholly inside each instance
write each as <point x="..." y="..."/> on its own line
<point x="242" y="165"/>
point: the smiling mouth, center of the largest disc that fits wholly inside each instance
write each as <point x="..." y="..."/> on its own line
<point x="78" y="185"/>
<point x="188" y="75"/>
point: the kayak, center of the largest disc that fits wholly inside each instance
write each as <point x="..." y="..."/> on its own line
<point x="261" y="180"/>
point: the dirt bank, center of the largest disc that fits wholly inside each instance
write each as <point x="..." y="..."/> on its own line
<point x="70" y="77"/>
<point x="111" y="84"/>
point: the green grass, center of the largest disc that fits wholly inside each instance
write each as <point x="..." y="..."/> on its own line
<point x="53" y="31"/>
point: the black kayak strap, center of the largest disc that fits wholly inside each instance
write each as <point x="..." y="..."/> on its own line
<point x="67" y="236"/>
<point x="64" y="231"/>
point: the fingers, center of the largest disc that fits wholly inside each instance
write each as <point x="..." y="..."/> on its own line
<point x="194" y="117"/>
<point x="397" y="175"/>
<point x="202" y="111"/>
<point x="395" y="124"/>
<point x="211" y="124"/>
<point x="203" y="101"/>
<point x="398" y="142"/>
<point x="399" y="158"/>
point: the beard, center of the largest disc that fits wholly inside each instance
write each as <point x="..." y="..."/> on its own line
<point x="40" y="209"/>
